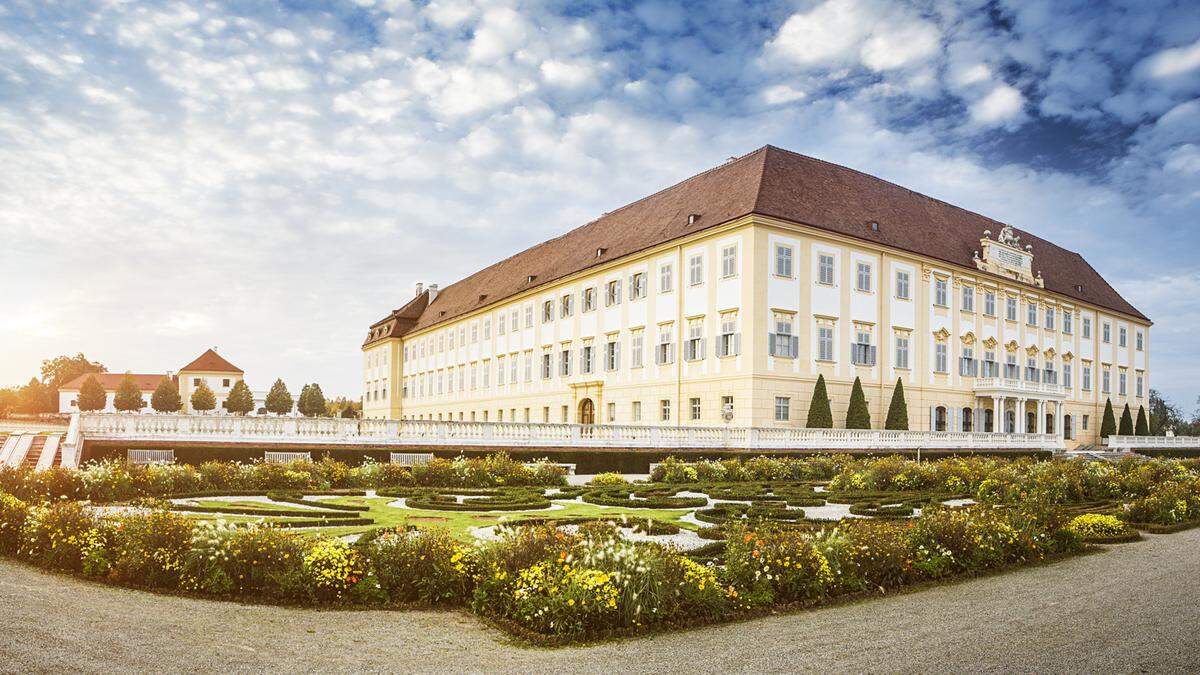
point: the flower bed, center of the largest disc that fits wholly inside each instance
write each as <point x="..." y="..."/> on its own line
<point x="1099" y="528"/>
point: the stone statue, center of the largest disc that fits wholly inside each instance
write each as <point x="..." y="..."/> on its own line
<point x="1009" y="238"/>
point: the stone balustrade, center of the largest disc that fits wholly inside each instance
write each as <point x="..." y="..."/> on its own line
<point x="1135" y="442"/>
<point x="351" y="432"/>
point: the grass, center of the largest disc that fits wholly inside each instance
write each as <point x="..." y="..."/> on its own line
<point x="460" y="523"/>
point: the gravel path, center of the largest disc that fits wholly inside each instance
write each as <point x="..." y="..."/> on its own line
<point x="1134" y="607"/>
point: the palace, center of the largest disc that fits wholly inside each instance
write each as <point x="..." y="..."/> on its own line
<point x="720" y="300"/>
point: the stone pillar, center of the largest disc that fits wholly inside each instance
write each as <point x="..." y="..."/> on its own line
<point x="997" y="414"/>
<point x="1041" y="417"/>
<point x="1059" y="418"/>
<point x="1019" y="416"/>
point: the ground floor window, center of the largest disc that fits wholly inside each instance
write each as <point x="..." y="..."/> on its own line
<point x="665" y="410"/>
<point x="939" y="418"/>
<point x="695" y="406"/>
<point x="783" y="408"/>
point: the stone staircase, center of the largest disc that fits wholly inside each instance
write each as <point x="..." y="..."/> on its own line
<point x="37" y="451"/>
<point x="1099" y="453"/>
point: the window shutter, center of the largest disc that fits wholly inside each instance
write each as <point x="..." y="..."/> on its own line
<point x="932" y="418"/>
<point x="737" y="344"/>
<point x="795" y="346"/>
<point x="703" y="348"/>
<point x="771" y="344"/>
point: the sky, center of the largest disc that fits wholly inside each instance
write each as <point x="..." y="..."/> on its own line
<point x="272" y="177"/>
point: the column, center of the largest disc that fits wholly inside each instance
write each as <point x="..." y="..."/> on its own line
<point x="997" y="414"/>
<point x="1059" y="418"/>
<point x="1041" y="417"/>
<point x="1019" y="416"/>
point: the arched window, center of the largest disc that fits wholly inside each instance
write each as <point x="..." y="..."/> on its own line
<point x="939" y="418"/>
<point x="1068" y="428"/>
<point x="968" y="419"/>
<point x="989" y="421"/>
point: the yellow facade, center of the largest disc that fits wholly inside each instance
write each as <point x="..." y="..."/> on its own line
<point x="438" y="372"/>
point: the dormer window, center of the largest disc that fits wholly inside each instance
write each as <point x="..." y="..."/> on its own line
<point x="692" y="218"/>
<point x="600" y="252"/>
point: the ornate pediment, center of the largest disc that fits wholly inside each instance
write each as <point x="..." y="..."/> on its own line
<point x="968" y="339"/>
<point x="1067" y="356"/>
<point x="1012" y="346"/>
<point x="1049" y="353"/>
<point x="990" y="343"/>
<point x="941" y="335"/>
<point x="1004" y="256"/>
<point x="1032" y="350"/>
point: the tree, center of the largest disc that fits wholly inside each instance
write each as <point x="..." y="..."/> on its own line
<point x="312" y="401"/>
<point x="858" y="416"/>
<point x="1109" y="426"/>
<point x="10" y="400"/>
<point x="349" y="412"/>
<point x="166" y="397"/>
<point x="203" y="398"/>
<point x="1142" y="427"/>
<point x="1164" y="415"/>
<point x="337" y="406"/>
<point x="1126" y="428"/>
<point x="897" y="417"/>
<point x="36" y="398"/>
<point x="279" y="400"/>
<point x="91" y="395"/>
<point x="60" y="370"/>
<point x="820" y="416"/>
<point x="240" y="399"/>
<point x="129" y="396"/>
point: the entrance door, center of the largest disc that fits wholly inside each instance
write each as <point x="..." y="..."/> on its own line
<point x="587" y="411"/>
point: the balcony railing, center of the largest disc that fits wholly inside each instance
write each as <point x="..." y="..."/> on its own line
<point x="1016" y="386"/>
<point x="1133" y="442"/>
<point x="350" y="432"/>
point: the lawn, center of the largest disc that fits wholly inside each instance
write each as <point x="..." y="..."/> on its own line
<point x="460" y="523"/>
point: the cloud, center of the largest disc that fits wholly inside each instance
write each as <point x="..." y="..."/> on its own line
<point x="1170" y="63"/>
<point x="1003" y="105"/>
<point x="853" y="32"/>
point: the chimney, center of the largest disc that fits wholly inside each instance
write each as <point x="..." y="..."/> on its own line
<point x="420" y="288"/>
<point x="433" y="291"/>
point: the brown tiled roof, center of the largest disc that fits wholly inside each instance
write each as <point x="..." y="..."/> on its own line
<point x="769" y="182"/>
<point x="212" y="362"/>
<point x="110" y="381"/>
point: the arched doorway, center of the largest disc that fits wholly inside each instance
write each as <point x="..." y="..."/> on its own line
<point x="968" y="419"/>
<point x="939" y="419"/>
<point x="587" y="411"/>
<point x="989" y="421"/>
<point x="1068" y="427"/>
<point x="1010" y="421"/>
<point x="1049" y="423"/>
<point x="1031" y="423"/>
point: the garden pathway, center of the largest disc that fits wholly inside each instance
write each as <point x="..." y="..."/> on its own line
<point x="1133" y="607"/>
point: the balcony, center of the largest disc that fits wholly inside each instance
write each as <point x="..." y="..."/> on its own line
<point x="1015" y="388"/>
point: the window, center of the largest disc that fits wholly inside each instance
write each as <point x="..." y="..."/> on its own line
<point x="968" y="299"/>
<point x="1086" y="377"/>
<point x="902" y="351"/>
<point x="1123" y="337"/>
<point x="665" y="410"/>
<point x="824" y="343"/>
<point x="512" y="369"/>
<point x="1010" y="309"/>
<point x="500" y="327"/>
<point x="474" y="333"/>
<point x="529" y="316"/>
<point x="782" y="344"/>
<point x="989" y="303"/>
<point x="1050" y="318"/>
<point x="1031" y="370"/>
<point x="783" y="408"/>
<point x="195" y="382"/>
<point x="726" y="405"/>
<point x="585" y="359"/>
<point x="547" y="365"/>
<point x="1068" y="322"/>
<point x="612" y="412"/>
<point x="696" y="270"/>
<point x="1107" y="333"/>
<point x="729" y="261"/>
<point x="664" y="353"/>
<point x="567" y="306"/>
<point x="1068" y="371"/>
<point x="612" y="354"/>
<point x="589" y="299"/>
<point x="612" y="293"/>
<point x="636" y="348"/>
<point x="825" y="269"/>
<point x="474" y="375"/>
<point x="862" y="352"/>
<point x="941" y="293"/>
<point x="636" y="411"/>
<point x="1087" y="328"/>
<point x="863" y="278"/>
<point x="451" y="340"/>
<point x="1141" y="385"/>
<point x="528" y="367"/>
<point x="1141" y="341"/>
<point x="783" y="261"/>
<point x="547" y="311"/>
<point x="1122" y="383"/>
<point x="637" y="286"/>
<point x="516" y="322"/>
<point x="902" y="279"/>
<point x="967" y="366"/>
<point x="499" y="371"/>
<point x="1105" y="380"/>
<point x="665" y="278"/>
<point x="564" y="363"/>
<point x="990" y="367"/>
<point x="729" y="341"/>
<point x="693" y="349"/>
<point x="1031" y="313"/>
<point x="225" y="382"/>
<point x="1086" y="420"/>
<point x="941" y="358"/>
<point x="566" y="414"/>
<point x="694" y="406"/>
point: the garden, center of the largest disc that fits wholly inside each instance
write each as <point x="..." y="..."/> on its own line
<point x="553" y="562"/>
